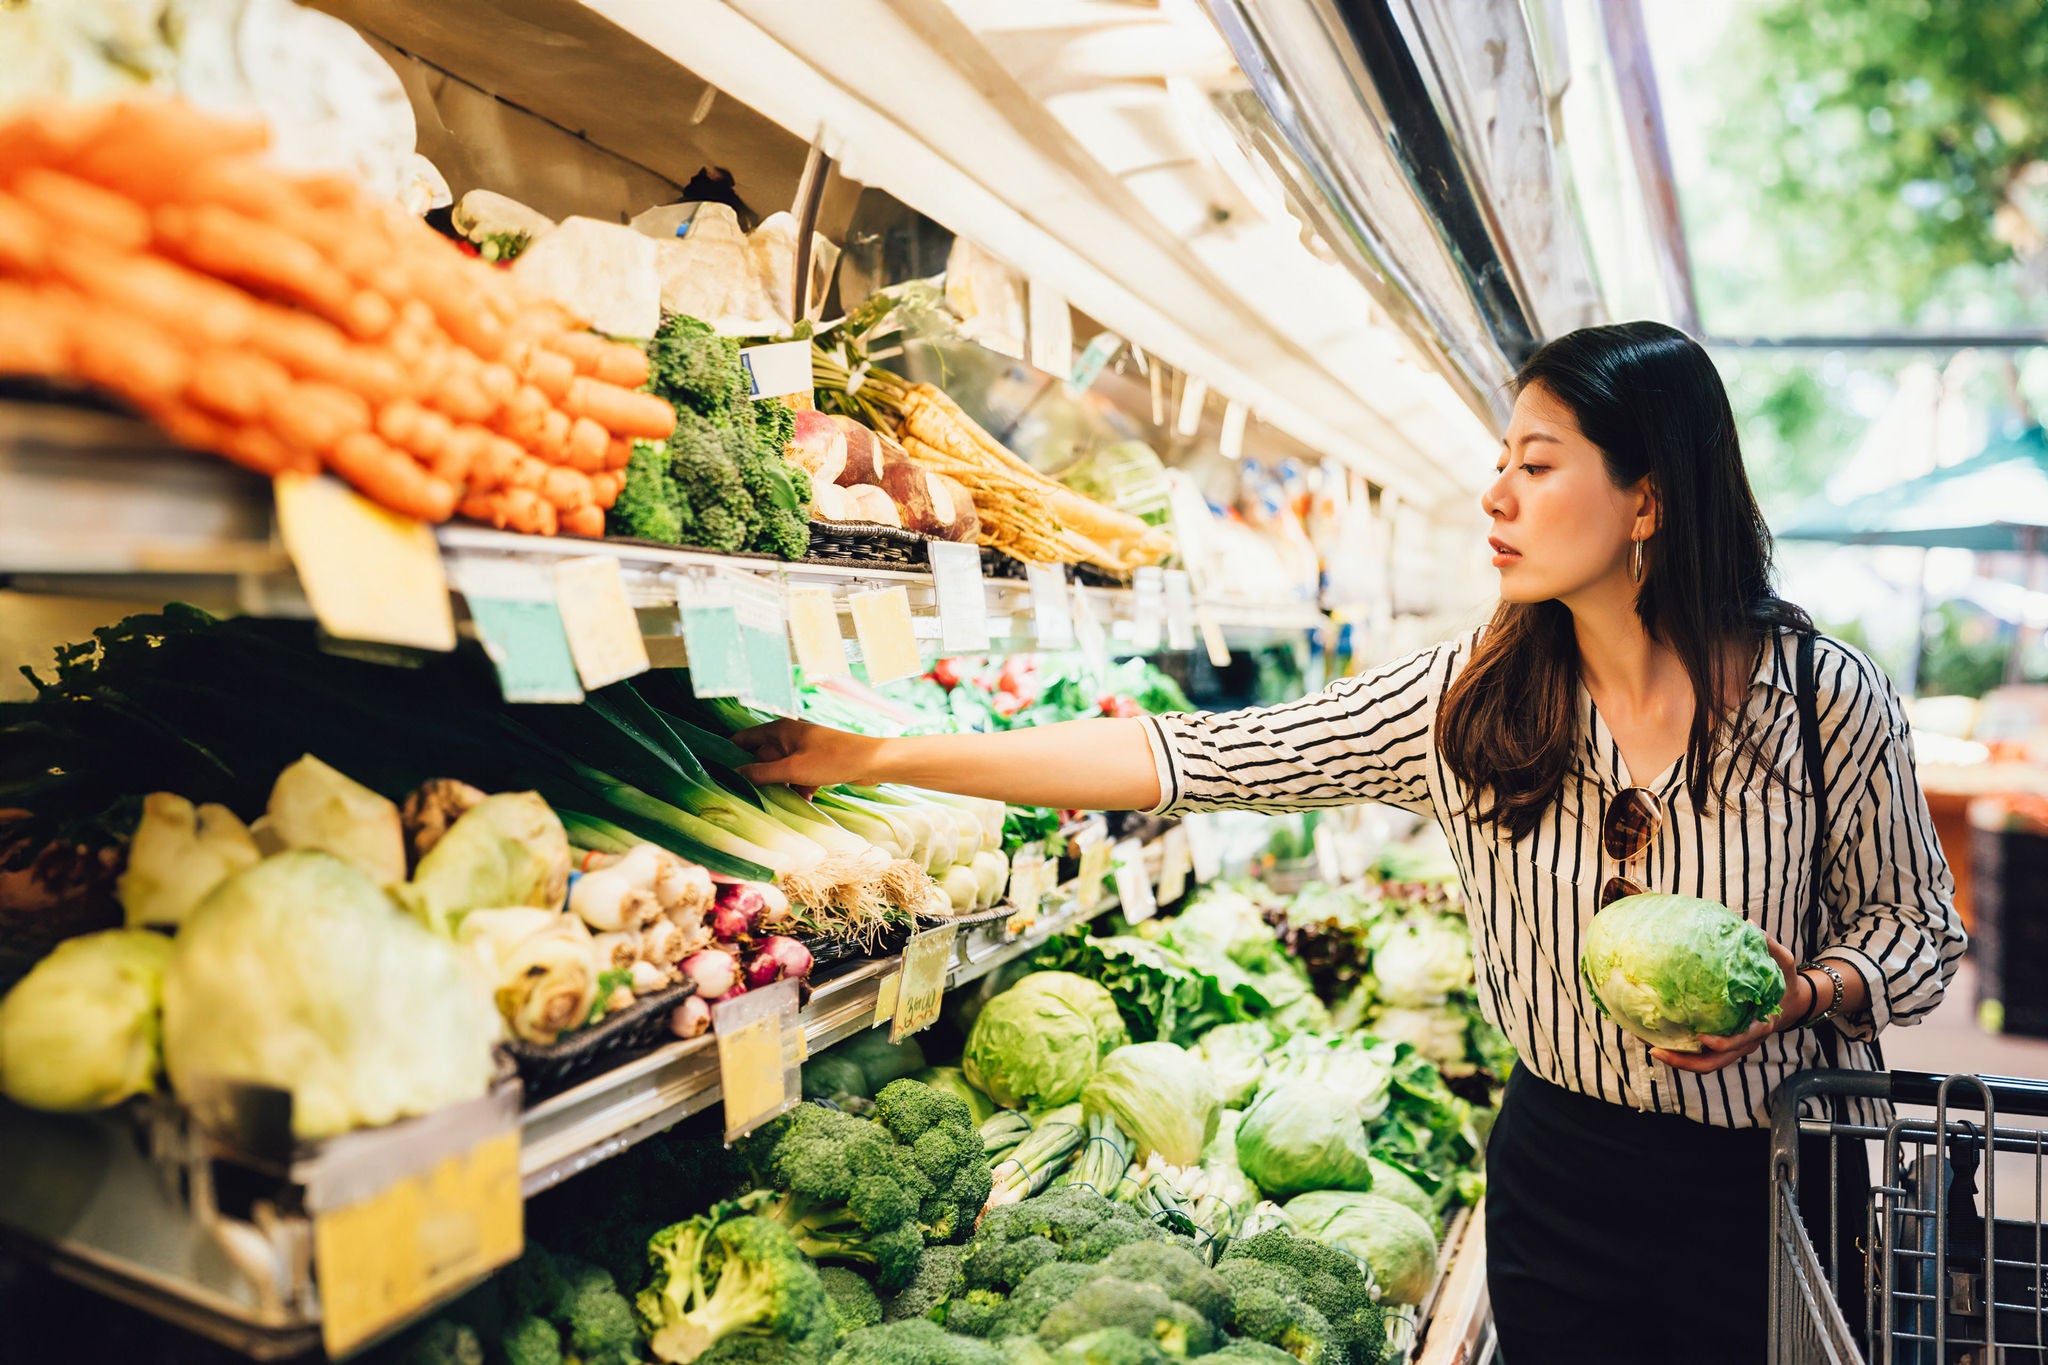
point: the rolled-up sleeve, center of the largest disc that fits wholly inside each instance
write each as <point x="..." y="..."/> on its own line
<point x="1359" y="739"/>
<point x="1895" y="917"/>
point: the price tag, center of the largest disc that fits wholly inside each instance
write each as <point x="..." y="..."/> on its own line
<point x="710" y="622"/>
<point x="1027" y="871"/>
<point x="1230" y="440"/>
<point x="1180" y="610"/>
<point x="1174" y="865"/>
<point x="1329" y="860"/>
<point x="1089" y="634"/>
<point x="764" y="635"/>
<point x="1051" y="326"/>
<point x="1099" y="351"/>
<point x="1148" y="590"/>
<point x="1052" y="617"/>
<point x="1133" y="882"/>
<point x="755" y="1072"/>
<point x="885" y="997"/>
<point x="512" y="604"/>
<point x="1194" y="395"/>
<point x="369" y="574"/>
<point x="1204" y="854"/>
<point x="888" y="641"/>
<point x="777" y="369"/>
<point x="1212" y="637"/>
<point x="1095" y="856"/>
<point x="604" y="634"/>
<point x="814" y="630"/>
<point x="963" y="602"/>
<point x="382" y="1259"/>
<point x="927" y="959"/>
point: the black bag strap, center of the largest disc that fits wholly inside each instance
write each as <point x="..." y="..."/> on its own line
<point x="1808" y="695"/>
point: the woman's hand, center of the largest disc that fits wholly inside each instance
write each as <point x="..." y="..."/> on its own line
<point x="806" y="756"/>
<point x="1720" y="1052"/>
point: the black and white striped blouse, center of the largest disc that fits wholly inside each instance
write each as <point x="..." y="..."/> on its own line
<point x="1888" y="888"/>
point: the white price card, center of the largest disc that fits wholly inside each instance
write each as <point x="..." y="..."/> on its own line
<point x="963" y="601"/>
<point x="1089" y="634"/>
<point x="1194" y="395"/>
<point x="1133" y="882"/>
<point x="927" y="962"/>
<point x="1095" y="859"/>
<point x="370" y="574"/>
<point x="710" y="623"/>
<point x="1051" y="612"/>
<point x="1180" y="610"/>
<point x="1230" y="440"/>
<point x="757" y="1070"/>
<point x="778" y="368"/>
<point x="764" y="636"/>
<point x="1212" y="637"/>
<point x="512" y="606"/>
<point x="888" y="640"/>
<point x="1148" y="592"/>
<point x="1027" y="871"/>
<point x="1174" y="865"/>
<point x="1205" y="854"/>
<point x="814" y="631"/>
<point x="604" y="634"/>
<point x="1329" y="858"/>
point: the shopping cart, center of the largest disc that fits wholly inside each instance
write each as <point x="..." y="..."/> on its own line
<point x="1915" y="1271"/>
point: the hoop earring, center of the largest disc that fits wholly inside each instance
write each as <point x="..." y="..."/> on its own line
<point x="1635" y="560"/>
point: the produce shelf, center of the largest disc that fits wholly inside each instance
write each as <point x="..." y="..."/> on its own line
<point x="94" y="504"/>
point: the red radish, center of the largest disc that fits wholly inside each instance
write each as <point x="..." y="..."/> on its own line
<point x="714" y="972"/>
<point x="751" y="906"/>
<point x="819" y="446"/>
<point x="778" y="957"/>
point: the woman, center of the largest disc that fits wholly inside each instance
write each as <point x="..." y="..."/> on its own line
<point x="1629" y="719"/>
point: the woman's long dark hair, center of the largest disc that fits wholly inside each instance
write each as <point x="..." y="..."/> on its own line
<point x="1648" y="396"/>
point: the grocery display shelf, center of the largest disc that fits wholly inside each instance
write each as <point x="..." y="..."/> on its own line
<point x="98" y="505"/>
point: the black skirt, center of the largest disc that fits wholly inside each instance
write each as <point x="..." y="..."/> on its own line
<point x="1616" y="1236"/>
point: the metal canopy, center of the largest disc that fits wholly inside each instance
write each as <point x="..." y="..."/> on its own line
<point x="1995" y="500"/>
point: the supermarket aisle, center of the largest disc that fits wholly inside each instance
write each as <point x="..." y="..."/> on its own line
<point x="1950" y="1040"/>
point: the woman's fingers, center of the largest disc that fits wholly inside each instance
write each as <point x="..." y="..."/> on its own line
<point x="1715" y="1052"/>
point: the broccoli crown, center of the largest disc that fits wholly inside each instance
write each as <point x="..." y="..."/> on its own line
<point x="914" y="1341"/>
<point x="939" y="1279"/>
<point x="847" y="1190"/>
<point x="1021" y="1314"/>
<point x="445" y="1342"/>
<point x="1328" y="1279"/>
<point x="601" y="1325"/>
<point x="1245" y="1351"/>
<point x="534" y="1284"/>
<point x="947" y="1147"/>
<point x="1144" y="1310"/>
<point x="706" y="470"/>
<point x="531" y="1340"/>
<point x="728" y="1275"/>
<point x="692" y="366"/>
<point x="1110" y="1346"/>
<point x="850" y="1300"/>
<point x="651" y="505"/>
<point x="1181" y="1273"/>
<point x="1264" y="1307"/>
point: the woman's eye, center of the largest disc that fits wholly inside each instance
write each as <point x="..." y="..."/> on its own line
<point x="1535" y="470"/>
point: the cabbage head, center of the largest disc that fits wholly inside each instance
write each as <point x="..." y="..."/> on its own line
<point x="507" y="850"/>
<point x="1163" y="1097"/>
<point x="302" y="974"/>
<point x="1293" y="1138"/>
<point x="1395" y="1241"/>
<point x="1670" y="968"/>
<point x="1435" y="1031"/>
<point x="832" y="1077"/>
<point x="1236" y="1053"/>
<point x="1422" y="959"/>
<point x="951" y="1080"/>
<point x="1391" y="1182"/>
<point x="881" y="1061"/>
<point x="81" y="1030"/>
<point x="1354" y="1066"/>
<point x="1035" y="1045"/>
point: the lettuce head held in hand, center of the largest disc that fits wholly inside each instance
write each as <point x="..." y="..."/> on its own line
<point x="80" y="1031"/>
<point x="1035" y="1045"/>
<point x="1670" y="968"/>
<point x="301" y="974"/>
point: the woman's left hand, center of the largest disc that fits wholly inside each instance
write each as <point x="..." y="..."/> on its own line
<point x="1720" y="1052"/>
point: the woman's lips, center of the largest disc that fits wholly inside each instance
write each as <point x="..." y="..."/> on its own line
<point x="1504" y="554"/>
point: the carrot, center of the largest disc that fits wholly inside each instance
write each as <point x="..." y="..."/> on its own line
<point x="623" y="365"/>
<point x="420" y="432"/>
<point x="73" y="205"/>
<point x="367" y="315"/>
<point x="460" y="454"/>
<point x="50" y="132"/>
<point x="548" y="372"/>
<point x="498" y="383"/>
<point x="585" y="350"/>
<point x="147" y="149"/>
<point x="236" y="385"/>
<point x="134" y="359"/>
<point x="604" y="488"/>
<point x="586" y="446"/>
<point x="623" y="411"/>
<point x="37" y="338"/>
<point x="24" y="238"/>
<point x="583" y="521"/>
<point x="257" y="255"/>
<point x="517" y="509"/>
<point x="618" y="454"/>
<point x="497" y="461"/>
<point x="172" y="297"/>
<point x="389" y="477"/>
<point x="553" y="443"/>
<point x="259" y="449"/>
<point x="566" y="488"/>
<point x="522" y="415"/>
<point x="460" y="395"/>
<point x="529" y="472"/>
<point x="317" y="416"/>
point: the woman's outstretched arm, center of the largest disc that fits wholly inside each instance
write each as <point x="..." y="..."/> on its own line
<point x="1079" y="765"/>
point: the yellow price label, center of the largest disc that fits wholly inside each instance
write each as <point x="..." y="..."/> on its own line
<point x="757" y="1059"/>
<point x="382" y="1259"/>
<point x="369" y="573"/>
<point x="927" y="960"/>
<point x="604" y="634"/>
<point x="1095" y="858"/>
<point x="888" y="640"/>
<point x="885" y="997"/>
<point x="814" y="632"/>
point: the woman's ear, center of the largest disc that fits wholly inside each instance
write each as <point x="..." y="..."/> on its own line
<point x="1649" y="509"/>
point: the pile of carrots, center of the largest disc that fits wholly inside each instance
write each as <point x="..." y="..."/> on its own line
<point x="293" y="322"/>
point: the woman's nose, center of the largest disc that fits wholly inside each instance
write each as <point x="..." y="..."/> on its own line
<point x="1494" y="501"/>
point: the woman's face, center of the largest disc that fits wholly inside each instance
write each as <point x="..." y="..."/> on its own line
<point x="1560" y="525"/>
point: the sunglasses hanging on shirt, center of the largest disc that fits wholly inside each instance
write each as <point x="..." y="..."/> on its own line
<point x="1632" y="820"/>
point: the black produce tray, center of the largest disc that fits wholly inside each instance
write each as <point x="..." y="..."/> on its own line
<point x="640" y="1026"/>
<point x="864" y="545"/>
<point x="1088" y="575"/>
<point x="997" y="564"/>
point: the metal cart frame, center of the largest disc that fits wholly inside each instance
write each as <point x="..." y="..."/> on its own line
<point x="1943" y="1279"/>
